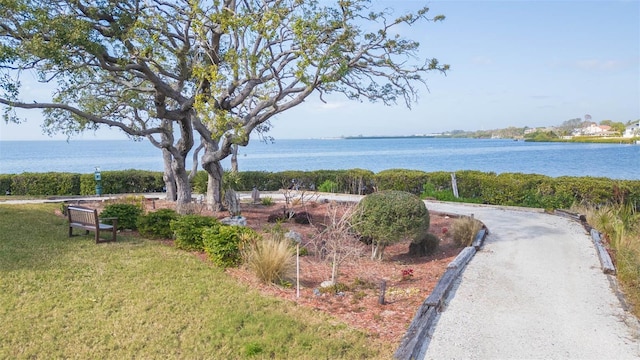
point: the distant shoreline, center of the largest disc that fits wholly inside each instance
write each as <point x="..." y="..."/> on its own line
<point x="581" y="139"/>
<point x="392" y="137"/>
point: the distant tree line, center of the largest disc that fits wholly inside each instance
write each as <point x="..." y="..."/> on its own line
<point x="565" y="129"/>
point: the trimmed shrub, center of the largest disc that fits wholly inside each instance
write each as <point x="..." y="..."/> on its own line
<point x="464" y="230"/>
<point x="469" y="182"/>
<point x="388" y="217"/>
<point x="302" y="217"/>
<point x="50" y="183"/>
<point x="328" y="186"/>
<point x="224" y="243"/>
<point x="123" y="182"/>
<point x="131" y="181"/>
<point x="277" y="217"/>
<point x="402" y="180"/>
<point x="199" y="182"/>
<point x="127" y="215"/>
<point x="5" y="184"/>
<point x="187" y="230"/>
<point x="425" y="245"/>
<point x="356" y="181"/>
<point x="157" y="224"/>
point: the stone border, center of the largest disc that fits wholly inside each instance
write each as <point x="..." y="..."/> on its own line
<point x="605" y="259"/>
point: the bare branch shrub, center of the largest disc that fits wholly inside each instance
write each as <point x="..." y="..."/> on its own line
<point x="297" y="197"/>
<point x="335" y="243"/>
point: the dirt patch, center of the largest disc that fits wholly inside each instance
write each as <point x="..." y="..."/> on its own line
<point x="357" y="304"/>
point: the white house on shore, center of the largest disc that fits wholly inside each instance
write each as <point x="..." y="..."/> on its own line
<point x="593" y="129"/>
<point x="632" y="130"/>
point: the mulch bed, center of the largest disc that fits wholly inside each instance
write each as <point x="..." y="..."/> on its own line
<point x="357" y="304"/>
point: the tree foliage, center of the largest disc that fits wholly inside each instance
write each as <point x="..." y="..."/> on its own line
<point x="220" y="69"/>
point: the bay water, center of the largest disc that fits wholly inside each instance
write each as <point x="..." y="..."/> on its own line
<point x="614" y="161"/>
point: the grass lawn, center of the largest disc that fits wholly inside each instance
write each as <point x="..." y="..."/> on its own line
<point x="64" y="297"/>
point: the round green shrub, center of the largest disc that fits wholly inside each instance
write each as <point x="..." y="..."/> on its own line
<point x="157" y="224"/>
<point x="303" y="218"/>
<point x="127" y="215"/>
<point x="388" y="217"/>
<point x="187" y="230"/>
<point x="277" y="217"/>
<point x="425" y="245"/>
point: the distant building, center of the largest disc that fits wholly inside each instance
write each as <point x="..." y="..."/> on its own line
<point x="593" y="129"/>
<point x="632" y="130"/>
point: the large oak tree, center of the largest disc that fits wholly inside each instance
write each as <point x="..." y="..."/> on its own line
<point x="175" y="70"/>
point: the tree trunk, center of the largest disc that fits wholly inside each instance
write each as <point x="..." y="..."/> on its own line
<point x="179" y="179"/>
<point x="376" y="251"/>
<point x="234" y="158"/>
<point x="183" y="187"/>
<point x="211" y="164"/>
<point x="214" y="185"/>
<point x="175" y="174"/>
<point x="168" y="177"/>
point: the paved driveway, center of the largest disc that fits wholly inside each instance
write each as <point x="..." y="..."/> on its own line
<point x="535" y="291"/>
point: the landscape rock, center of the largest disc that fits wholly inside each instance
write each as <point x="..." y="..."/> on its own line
<point x="235" y="220"/>
<point x="326" y="284"/>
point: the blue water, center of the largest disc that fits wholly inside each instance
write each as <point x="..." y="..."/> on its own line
<point x="499" y="156"/>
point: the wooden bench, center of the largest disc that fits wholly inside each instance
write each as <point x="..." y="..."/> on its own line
<point x="85" y="218"/>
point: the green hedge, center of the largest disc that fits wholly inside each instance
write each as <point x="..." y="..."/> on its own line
<point x="353" y="181"/>
<point x="410" y="181"/>
<point x="131" y="181"/>
<point x="517" y="189"/>
<point x="50" y="183"/>
<point x="532" y="190"/>
<point x="60" y="184"/>
<point x="5" y="183"/>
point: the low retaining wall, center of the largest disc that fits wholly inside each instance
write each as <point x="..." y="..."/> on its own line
<point x="605" y="259"/>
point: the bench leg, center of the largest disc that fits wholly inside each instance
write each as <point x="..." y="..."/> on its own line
<point x="70" y="231"/>
<point x="97" y="236"/>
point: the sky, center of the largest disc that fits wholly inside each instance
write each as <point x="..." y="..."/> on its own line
<point x="513" y="63"/>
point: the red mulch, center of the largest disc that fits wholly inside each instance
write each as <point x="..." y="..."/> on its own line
<point x="358" y="306"/>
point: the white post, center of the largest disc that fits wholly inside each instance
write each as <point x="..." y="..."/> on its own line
<point x="297" y="270"/>
<point x="454" y="185"/>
